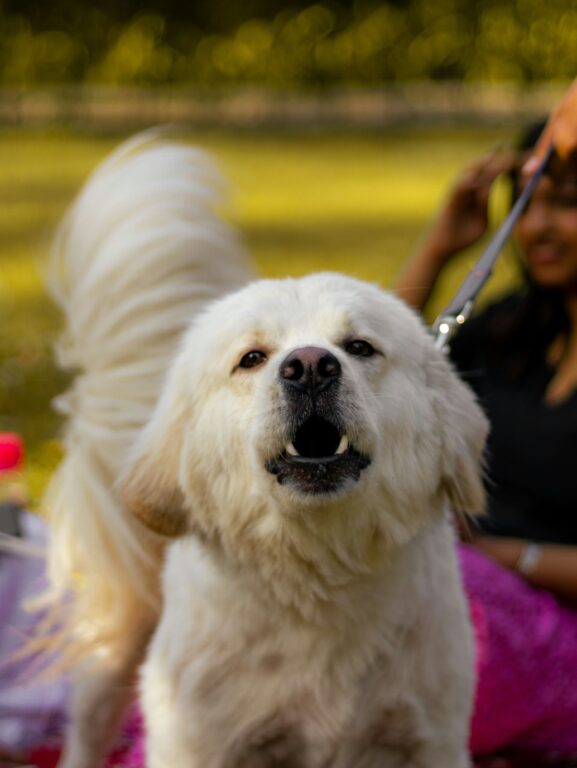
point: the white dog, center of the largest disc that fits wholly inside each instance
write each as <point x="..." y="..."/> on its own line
<point x="303" y="452"/>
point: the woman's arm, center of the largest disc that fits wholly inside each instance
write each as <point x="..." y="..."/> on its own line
<point x="555" y="568"/>
<point x="462" y="221"/>
<point x="421" y="274"/>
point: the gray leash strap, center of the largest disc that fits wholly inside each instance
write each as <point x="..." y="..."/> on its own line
<point x="459" y="309"/>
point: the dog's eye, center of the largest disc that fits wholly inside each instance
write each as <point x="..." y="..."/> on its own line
<point x="252" y="359"/>
<point x="359" y="348"/>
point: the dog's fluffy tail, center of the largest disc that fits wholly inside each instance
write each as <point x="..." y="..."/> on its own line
<point x="140" y="252"/>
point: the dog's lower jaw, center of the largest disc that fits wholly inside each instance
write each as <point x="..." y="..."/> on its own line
<point x="317" y="477"/>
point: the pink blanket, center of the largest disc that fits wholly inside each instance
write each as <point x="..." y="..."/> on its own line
<point x="526" y="662"/>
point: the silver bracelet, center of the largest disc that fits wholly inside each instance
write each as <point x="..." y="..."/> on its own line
<point x="529" y="558"/>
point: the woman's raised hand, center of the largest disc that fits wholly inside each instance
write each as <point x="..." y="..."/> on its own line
<point x="463" y="219"/>
<point x="461" y="222"/>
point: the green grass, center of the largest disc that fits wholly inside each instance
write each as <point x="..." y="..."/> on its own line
<point x="354" y="203"/>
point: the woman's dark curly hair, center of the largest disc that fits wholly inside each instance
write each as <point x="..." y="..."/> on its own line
<point x="521" y="333"/>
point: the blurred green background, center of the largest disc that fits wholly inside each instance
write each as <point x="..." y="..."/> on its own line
<point x="294" y="44"/>
<point x="348" y="187"/>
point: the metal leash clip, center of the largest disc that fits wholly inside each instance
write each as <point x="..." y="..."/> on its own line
<point x="459" y="309"/>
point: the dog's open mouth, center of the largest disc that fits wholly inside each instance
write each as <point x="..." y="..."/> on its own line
<point x="318" y="459"/>
<point x="316" y="440"/>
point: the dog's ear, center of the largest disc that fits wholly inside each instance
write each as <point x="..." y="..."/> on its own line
<point x="463" y="428"/>
<point x="150" y="484"/>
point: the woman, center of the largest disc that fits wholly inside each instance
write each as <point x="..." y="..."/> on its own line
<point x="520" y="357"/>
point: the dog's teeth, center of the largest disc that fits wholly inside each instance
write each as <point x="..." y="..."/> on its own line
<point x="343" y="445"/>
<point x="291" y="450"/>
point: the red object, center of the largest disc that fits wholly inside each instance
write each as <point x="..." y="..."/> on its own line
<point x="44" y="757"/>
<point x="11" y="451"/>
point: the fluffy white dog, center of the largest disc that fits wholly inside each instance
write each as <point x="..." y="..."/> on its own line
<point x="304" y="449"/>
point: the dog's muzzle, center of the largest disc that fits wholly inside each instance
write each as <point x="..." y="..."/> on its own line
<point x="319" y="457"/>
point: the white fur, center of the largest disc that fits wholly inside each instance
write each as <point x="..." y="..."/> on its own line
<point x="298" y="629"/>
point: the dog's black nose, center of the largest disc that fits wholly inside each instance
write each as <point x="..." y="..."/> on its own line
<point x="310" y="369"/>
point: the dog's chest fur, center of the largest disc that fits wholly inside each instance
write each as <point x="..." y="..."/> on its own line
<point x="263" y="688"/>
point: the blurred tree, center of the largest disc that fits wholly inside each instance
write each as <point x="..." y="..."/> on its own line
<point x="297" y="44"/>
<point x="210" y="15"/>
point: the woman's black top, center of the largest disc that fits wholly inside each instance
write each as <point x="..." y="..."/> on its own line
<point x="531" y="457"/>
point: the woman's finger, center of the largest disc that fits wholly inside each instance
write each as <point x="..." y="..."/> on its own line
<point x="561" y="131"/>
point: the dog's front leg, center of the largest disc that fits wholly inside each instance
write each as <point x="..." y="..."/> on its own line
<point x="101" y="692"/>
<point x="405" y="756"/>
<point x="402" y="735"/>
